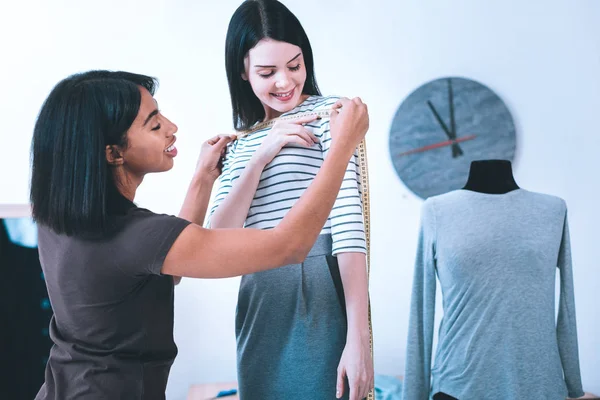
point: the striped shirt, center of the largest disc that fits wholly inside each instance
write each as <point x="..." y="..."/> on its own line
<point x="289" y="174"/>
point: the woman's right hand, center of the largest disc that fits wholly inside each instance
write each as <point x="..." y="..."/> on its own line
<point x="283" y="133"/>
<point x="211" y="154"/>
<point x="349" y="123"/>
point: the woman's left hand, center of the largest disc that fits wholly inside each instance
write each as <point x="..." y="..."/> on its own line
<point x="357" y="364"/>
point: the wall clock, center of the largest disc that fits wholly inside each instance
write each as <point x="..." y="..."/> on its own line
<point x="444" y="125"/>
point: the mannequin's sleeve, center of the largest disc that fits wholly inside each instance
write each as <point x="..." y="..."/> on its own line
<point x="417" y="375"/>
<point x="566" y="327"/>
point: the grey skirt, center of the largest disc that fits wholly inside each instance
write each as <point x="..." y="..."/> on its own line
<point x="291" y="329"/>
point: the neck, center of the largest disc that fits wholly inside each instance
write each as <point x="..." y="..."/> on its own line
<point x="491" y="176"/>
<point x="127" y="183"/>
<point x="271" y="113"/>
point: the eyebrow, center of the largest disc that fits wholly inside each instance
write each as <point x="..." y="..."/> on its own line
<point x="152" y="114"/>
<point x="273" y="66"/>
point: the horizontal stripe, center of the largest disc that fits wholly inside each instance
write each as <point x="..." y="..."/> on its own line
<point x="346" y="206"/>
<point x="274" y="202"/>
<point x="286" y="173"/>
<point x="345" y="223"/>
<point x="345" y="240"/>
<point x="284" y="180"/>
<point x="276" y="193"/>
<point x="267" y="212"/>
<point x="359" y="249"/>
<point x="290" y="163"/>
<point x="351" y="230"/>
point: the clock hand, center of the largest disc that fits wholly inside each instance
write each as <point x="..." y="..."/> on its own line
<point x="439" y="120"/>
<point x="456" y="150"/>
<point x="438" y="145"/>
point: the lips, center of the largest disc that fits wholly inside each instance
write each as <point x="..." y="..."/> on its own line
<point x="285" y="96"/>
<point x="172" y="150"/>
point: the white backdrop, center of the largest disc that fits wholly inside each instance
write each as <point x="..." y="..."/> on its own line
<point x="541" y="57"/>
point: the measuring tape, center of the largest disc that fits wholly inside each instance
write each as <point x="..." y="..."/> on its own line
<point x="364" y="186"/>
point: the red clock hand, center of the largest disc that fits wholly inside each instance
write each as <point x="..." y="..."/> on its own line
<point x="438" y="145"/>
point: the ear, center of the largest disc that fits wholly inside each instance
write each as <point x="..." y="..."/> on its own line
<point x="246" y="67"/>
<point x="114" y="157"/>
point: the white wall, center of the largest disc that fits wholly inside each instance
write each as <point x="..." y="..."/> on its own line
<point x="541" y="57"/>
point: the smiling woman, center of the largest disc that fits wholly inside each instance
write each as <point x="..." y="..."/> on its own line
<point x="314" y="313"/>
<point x="108" y="264"/>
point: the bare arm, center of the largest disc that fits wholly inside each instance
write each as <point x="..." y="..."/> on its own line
<point x="220" y="253"/>
<point x="232" y="212"/>
<point x="356" y="362"/>
<point x="353" y="271"/>
<point x="196" y="200"/>
<point x="195" y="204"/>
<point x="215" y="253"/>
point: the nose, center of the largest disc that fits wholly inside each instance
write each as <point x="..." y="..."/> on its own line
<point x="283" y="81"/>
<point x="171" y="128"/>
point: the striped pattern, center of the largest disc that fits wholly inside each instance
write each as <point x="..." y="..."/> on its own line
<point x="289" y="174"/>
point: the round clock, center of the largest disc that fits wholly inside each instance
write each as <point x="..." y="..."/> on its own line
<point x="444" y="125"/>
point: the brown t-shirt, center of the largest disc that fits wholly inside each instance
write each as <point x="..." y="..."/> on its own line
<point x="113" y="310"/>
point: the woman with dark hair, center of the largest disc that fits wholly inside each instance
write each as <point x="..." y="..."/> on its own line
<point x="302" y="330"/>
<point x="110" y="265"/>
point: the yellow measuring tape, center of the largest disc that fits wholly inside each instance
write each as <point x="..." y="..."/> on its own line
<point x="364" y="186"/>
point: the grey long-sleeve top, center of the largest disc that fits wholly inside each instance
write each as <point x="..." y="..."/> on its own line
<point x="495" y="257"/>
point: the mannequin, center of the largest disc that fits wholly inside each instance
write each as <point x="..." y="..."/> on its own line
<point x="494" y="249"/>
<point x="491" y="176"/>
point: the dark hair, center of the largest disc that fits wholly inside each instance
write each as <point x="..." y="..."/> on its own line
<point x="253" y="21"/>
<point x="73" y="190"/>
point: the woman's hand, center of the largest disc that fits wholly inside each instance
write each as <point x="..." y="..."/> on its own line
<point x="349" y="123"/>
<point x="283" y="133"/>
<point x="357" y="364"/>
<point x="210" y="161"/>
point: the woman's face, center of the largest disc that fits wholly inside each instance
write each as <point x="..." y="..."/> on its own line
<point x="277" y="73"/>
<point x="151" y="140"/>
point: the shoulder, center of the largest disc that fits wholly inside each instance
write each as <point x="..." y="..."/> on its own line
<point x="549" y="199"/>
<point x="428" y="213"/>
<point x="147" y="219"/>
<point x="318" y="103"/>
<point x="443" y="200"/>
<point x="552" y="204"/>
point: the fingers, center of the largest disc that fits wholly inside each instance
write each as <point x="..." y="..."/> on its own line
<point x="344" y="101"/>
<point x="333" y="117"/>
<point x="214" y="140"/>
<point x="360" y="384"/>
<point x="297" y="140"/>
<point x="297" y="127"/>
<point x="308" y="136"/>
<point x="339" y="386"/>
<point x="221" y="144"/>
<point x="369" y="385"/>
<point x="301" y="131"/>
<point x="355" y="389"/>
<point x="340" y="103"/>
<point x="359" y="389"/>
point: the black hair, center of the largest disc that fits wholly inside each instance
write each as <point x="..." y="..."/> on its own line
<point x="253" y="21"/>
<point x="73" y="189"/>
